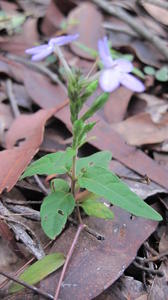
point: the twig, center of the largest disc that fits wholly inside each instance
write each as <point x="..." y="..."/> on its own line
<point x="89" y="230"/>
<point x="150" y="249"/>
<point x="41" y="185"/>
<point x="145" y="179"/>
<point x="149" y="270"/>
<point x="153" y="258"/>
<point x="38" y="68"/>
<point x="159" y="3"/>
<point x="138" y="27"/>
<point x="113" y="27"/>
<point x="12" y="98"/>
<point x="20" y="231"/>
<point x="24" y="211"/>
<point x="26" y="285"/>
<point x="69" y="255"/>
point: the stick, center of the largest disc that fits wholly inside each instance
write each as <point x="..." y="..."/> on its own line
<point x="26" y="285"/>
<point x="79" y="230"/>
<point x="12" y="99"/>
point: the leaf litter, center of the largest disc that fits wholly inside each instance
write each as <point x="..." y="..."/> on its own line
<point x="95" y="265"/>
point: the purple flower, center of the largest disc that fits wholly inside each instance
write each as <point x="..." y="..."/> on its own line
<point x="116" y="71"/>
<point x="40" y="52"/>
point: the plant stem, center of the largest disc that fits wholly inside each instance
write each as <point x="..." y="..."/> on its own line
<point x="73" y="181"/>
<point x="80" y="228"/>
<point x="68" y="71"/>
<point x="73" y="175"/>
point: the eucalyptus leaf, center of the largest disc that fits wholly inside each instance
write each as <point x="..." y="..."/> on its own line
<point x="102" y="182"/>
<point x="51" y="164"/>
<point x="94" y="208"/>
<point x="39" y="270"/>
<point x="54" y="212"/>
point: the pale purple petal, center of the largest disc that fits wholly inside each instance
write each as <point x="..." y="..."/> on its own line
<point x="104" y="53"/>
<point x="124" y="65"/>
<point x="63" y="40"/>
<point x="106" y="47"/>
<point x="36" y="49"/>
<point x="132" y="83"/>
<point x="41" y="55"/>
<point x="109" y="80"/>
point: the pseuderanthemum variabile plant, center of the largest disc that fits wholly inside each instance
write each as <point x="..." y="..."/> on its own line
<point x="116" y="72"/>
<point x="89" y="178"/>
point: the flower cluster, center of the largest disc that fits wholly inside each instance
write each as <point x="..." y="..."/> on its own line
<point x="116" y="71"/>
<point x="40" y="52"/>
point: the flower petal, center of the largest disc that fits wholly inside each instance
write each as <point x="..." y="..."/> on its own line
<point x="42" y="54"/>
<point x="124" y="65"/>
<point x="63" y="40"/>
<point x="132" y="83"/>
<point x="35" y="50"/>
<point x="104" y="53"/>
<point x="109" y="80"/>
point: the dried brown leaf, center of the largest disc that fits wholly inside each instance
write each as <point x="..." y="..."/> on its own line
<point x="28" y="129"/>
<point x="95" y="265"/>
<point x="140" y="130"/>
<point x="89" y="27"/>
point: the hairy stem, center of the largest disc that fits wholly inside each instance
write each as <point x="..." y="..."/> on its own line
<point x="73" y="182"/>
<point x="69" y="255"/>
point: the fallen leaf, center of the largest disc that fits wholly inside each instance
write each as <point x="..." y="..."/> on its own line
<point x="28" y="129"/>
<point x="158" y="13"/>
<point x="95" y="265"/>
<point x="141" y="130"/>
<point x="93" y="27"/>
<point x="52" y="19"/>
<point x="124" y="288"/>
<point x="116" y="107"/>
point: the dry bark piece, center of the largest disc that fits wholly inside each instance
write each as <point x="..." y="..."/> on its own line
<point x="95" y="265"/>
<point x="89" y="20"/>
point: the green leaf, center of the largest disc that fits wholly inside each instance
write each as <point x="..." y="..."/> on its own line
<point x="97" y="104"/>
<point x="91" y="51"/>
<point x="54" y="212"/>
<point x="149" y="70"/>
<point x="89" y="90"/>
<point x="104" y="183"/>
<point x="50" y="164"/>
<point x="59" y="184"/>
<point x="138" y="73"/>
<point x="99" y="159"/>
<point x="162" y="74"/>
<point x="96" y="209"/>
<point x="39" y="270"/>
<point x="80" y="130"/>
